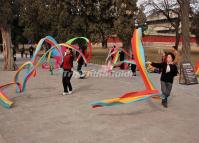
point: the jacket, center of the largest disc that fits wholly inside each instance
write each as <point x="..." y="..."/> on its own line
<point x="67" y="62"/>
<point x="166" y="76"/>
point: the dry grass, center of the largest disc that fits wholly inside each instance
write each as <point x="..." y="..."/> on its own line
<point x="100" y="54"/>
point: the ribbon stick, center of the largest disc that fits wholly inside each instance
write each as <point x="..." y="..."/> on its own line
<point x="115" y="53"/>
<point x="31" y="66"/>
<point x="55" y="55"/>
<point x="150" y="91"/>
<point x="89" y="45"/>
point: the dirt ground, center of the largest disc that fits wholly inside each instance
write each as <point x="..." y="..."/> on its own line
<point x="42" y="115"/>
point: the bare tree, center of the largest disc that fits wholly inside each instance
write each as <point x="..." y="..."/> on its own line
<point x="7" y="50"/>
<point x="185" y="11"/>
<point x="195" y="22"/>
<point x="168" y="8"/>
<point x="5" y="28"/>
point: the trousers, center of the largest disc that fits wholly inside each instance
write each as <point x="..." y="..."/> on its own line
<point x="66" y="80"/>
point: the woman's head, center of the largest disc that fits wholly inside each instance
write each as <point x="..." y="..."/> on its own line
<point x="67" y="51"/>
<point x="170" y="57"/>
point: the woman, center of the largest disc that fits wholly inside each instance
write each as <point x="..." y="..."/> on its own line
<point x="67" y="66"/>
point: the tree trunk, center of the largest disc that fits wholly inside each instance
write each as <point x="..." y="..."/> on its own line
<point x="177" y="36"/>
<point x="185" y="9"/>
<point x="104" y="42"/>
<point x="7" y="49"/>
<point x="103" y="38"/>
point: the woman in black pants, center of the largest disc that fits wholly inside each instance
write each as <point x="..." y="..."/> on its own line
<point x="67" y="66"/>
<point x="80" y="62"/>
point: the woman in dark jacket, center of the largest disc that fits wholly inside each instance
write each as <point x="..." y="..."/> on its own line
<point x="80" y="61"/>
<point x="67" y="66"/>
<point x="169" y="71"/>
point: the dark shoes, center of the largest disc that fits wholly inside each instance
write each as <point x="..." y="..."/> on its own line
<point x="164" y="103"/>
<point x="134" y="74"/>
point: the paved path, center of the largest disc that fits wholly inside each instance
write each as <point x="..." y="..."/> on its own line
<point x="42" y="115"/>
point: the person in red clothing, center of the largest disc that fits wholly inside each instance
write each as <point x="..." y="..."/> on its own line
<point x="67" y="66"/>
<point x="112" y="50"/>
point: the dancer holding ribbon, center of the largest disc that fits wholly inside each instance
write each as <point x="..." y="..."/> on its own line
<point x="169" y="71"/>
<point x="67" y="66"/>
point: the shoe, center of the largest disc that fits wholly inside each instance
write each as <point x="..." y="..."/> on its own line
<point x="70" y="92"/>
<point x="162" y="101"/>
<point x="82" y="76"/>
<point x="65" y="93"/>
<point x="165" y="104"/>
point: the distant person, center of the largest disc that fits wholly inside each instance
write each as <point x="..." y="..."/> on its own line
<point x="14" y="59"/>
<point x="67" y="66"/>
<point x="22" y="51"/>
<point x="80" y="61"/>
<point x="26" y="54"/>
<point x="112" y="50"/>
<point x="86" y="55"/>
<point x="31" y="50"/>
<point x="169" y="71"/>
<point x="14" y="54"/>
<point x="122" y="57"/>
<point x="133" y="67"/>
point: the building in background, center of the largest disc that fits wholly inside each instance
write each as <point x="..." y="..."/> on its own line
<point x="161" y="34"/>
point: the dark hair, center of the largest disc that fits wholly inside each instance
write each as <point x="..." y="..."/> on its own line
<point x="171" y="54"/>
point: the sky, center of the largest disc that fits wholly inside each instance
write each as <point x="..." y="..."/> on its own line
<point x="139" y="2"/>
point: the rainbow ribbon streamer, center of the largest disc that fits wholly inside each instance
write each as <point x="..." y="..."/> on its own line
<point x="56" y="51"/>
<point x="150" y="91"/>
<point x="116" y="55"/>
<point x="197" y="68"/>
<point x="69" y="45"/>
<point x="89" y="45"/>
<point x="132" y="62"/>
<point x="114" y="62"/>
<point x="197" y="72"/>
